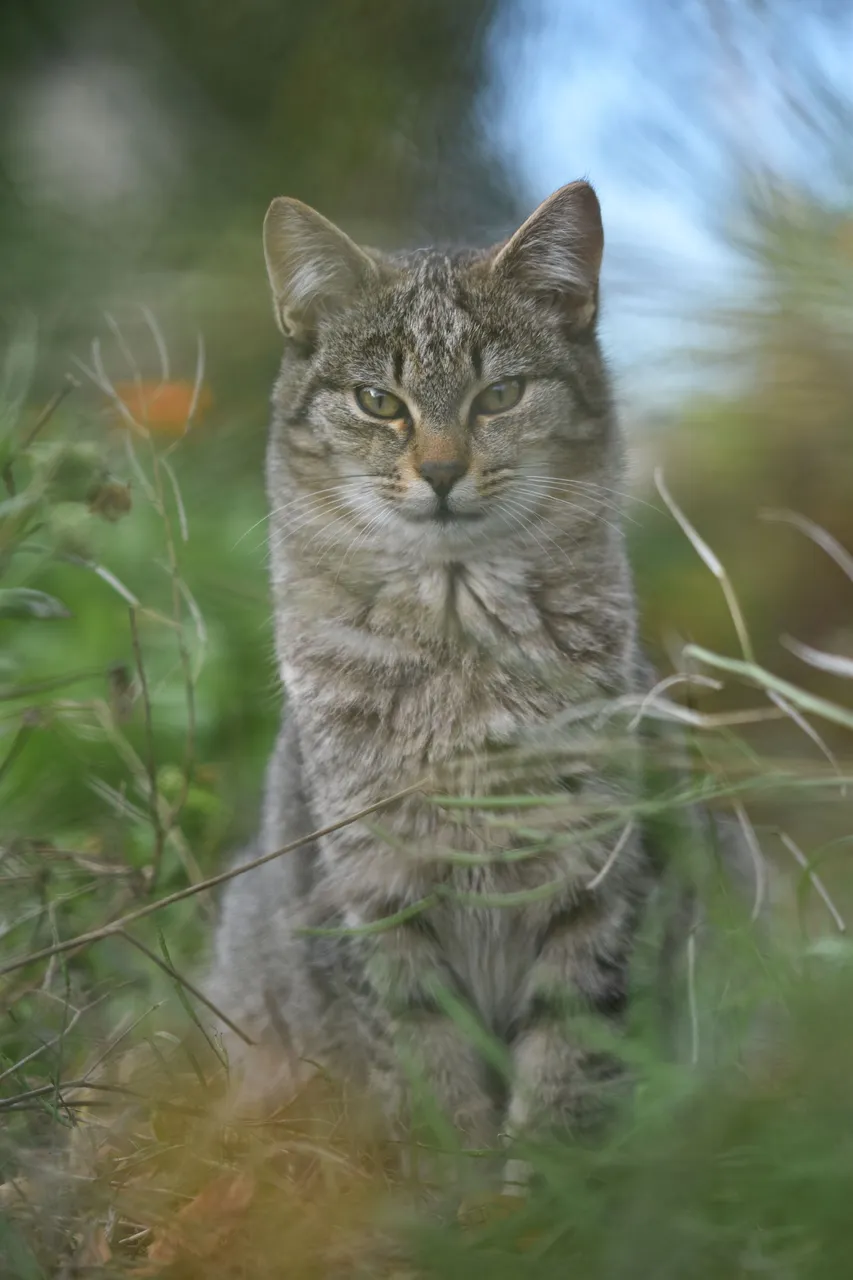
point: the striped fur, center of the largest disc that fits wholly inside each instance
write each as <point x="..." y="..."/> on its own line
<point x="461" y="646"/>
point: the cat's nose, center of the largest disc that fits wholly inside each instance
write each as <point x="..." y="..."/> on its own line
<point x="442" y="475"/>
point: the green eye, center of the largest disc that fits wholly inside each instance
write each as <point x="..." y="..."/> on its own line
<point x="499" y="397"/>
<point x="379" y="403"/>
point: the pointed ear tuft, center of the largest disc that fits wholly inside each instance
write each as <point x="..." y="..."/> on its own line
<point x="312" y="266"/>
<point x="556" y="254"/>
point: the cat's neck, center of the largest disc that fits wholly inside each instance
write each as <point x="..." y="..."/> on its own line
<point x="377" y="604"/>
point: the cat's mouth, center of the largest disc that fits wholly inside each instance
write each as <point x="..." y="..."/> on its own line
<point x="444" y="516"/>
<point x="442" y="513"/>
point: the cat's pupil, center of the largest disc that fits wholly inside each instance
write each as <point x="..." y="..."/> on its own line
<point x="499" y="396"/>
<point x="380" y="403"/>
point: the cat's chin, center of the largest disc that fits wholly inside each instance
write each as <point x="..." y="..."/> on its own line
<point x="443" y="519"/>
<point x="433" y="541"/>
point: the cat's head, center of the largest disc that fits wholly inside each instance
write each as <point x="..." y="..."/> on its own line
<point x="441" y="401"/>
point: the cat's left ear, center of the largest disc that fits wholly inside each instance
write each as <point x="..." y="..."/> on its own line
<point x="313" y="267"/>
<point x="556" y="254"/>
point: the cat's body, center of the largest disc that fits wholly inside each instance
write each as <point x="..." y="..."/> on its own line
<point x="450" y="591"/>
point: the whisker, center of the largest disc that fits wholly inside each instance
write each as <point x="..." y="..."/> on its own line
<point x="576" y="506"/>
<point x="603" y="488"/>
<point x="575" y="486"/>
<point x="328" y="537"/>
<point x="299" y="499"/>
<point x="336" y="508"/>
<point x="519" y="523"/>
<point x="292" y="527"/>
<point x="527" y="528"/>
<point x="377" y="522"/>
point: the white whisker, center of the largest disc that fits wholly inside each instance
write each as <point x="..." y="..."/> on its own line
<point x="577" y="506"/>
<point x="527" y="526"/>
<point x="580" y="490"/>
<point x="305" y="519"/>
<point x="335" y="507"/>
<point x="602" y="488"/>
<point x="377" y="522"/>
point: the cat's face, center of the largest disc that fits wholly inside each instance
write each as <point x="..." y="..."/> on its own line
<point x="439" y="401"/>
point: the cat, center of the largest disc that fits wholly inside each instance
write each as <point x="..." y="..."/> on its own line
<point x="453" y="608"/>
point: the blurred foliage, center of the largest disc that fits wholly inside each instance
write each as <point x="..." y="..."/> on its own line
<point x="122" y="689"/>
<point x="148" y="139"/>
<point x="138" y="696"/>
<point x="777" y="437"/>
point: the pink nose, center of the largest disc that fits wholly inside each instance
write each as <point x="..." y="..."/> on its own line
<point x="442" y="476"/>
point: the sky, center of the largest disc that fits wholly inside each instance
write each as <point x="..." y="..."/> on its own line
<point x="661" y="118"/>
<point x="660" y="109"/>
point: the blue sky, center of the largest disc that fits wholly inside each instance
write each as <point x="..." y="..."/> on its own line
<point x="656" y="115"/>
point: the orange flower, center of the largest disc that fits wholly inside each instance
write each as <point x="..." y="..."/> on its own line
<point x="163" y="406"/>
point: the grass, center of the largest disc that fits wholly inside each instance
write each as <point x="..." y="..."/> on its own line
<point x="137" y="706"/>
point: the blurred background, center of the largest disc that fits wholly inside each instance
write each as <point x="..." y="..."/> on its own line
<point x="140" y="144"/>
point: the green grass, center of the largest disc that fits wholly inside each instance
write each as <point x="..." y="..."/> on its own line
<point x="132" y="742"/>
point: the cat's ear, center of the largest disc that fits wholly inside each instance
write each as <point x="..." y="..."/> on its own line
<point x="312" y="266"/>
<point x="556" y="254"/>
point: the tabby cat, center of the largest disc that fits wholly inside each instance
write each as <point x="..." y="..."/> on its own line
<point x="453" y="608"/>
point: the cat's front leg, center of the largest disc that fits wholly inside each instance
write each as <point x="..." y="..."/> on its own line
<point x="423" y="1060"/>
<point x="581" y="969"/>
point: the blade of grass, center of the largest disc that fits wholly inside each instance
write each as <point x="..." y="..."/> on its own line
<point x="764" y="679"/>
<point x="712" y="561"/>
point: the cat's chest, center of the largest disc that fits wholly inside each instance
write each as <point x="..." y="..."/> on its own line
<point x="453" y="660"/>
<point x="488" y="607"/>
<point x="431" y="696"/>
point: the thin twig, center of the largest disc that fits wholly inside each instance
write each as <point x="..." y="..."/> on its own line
<point x="157" y="467"/>
<point x="691" y="999"/>
<point x="190" y="1011"/>
<point x="9" y="1104"/>
<point x="69" y="384"/>
<point x="799" y="857"/>
<point x="51" y="1044"/>
<point x="199" y="623"/>
<point x="751" y="841"/>
<point x="117" y="1040"/>
<point x="151" y="760"/>
<point x="116" y="926"/>
<point x="185" y="982"/>
<point x="42" y="1048"/>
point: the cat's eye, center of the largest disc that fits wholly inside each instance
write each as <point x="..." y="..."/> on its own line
<point x="380" y="403"/>
<point x="499" y="397"/>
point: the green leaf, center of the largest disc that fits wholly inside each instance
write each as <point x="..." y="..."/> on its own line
<point x="21" y="602"/>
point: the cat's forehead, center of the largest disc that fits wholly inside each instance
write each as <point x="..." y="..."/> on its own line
<point x="429" y="315"/>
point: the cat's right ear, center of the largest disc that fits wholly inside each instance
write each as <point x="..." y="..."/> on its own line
<point x="312" y="266"/>
<point x="556" y="255"/>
